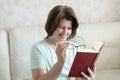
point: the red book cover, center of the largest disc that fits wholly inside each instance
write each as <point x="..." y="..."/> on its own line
<point x="85" y="58"/>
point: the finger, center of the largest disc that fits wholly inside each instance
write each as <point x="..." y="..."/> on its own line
<point x="84" y="75"/>
<point x="63" y="46"/>
<point x="91" y="74"/>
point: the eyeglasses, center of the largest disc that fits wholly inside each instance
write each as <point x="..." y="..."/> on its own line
<point x="77" y="42"/>
<point x="73" y="46"/>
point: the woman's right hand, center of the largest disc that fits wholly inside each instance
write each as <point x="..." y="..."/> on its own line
<point x="61" y="51"/>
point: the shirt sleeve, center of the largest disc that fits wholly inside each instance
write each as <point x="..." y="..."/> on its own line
<point x="36" y="58"/>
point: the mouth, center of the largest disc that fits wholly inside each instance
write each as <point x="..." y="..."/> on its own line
<point x="63" y="36"/>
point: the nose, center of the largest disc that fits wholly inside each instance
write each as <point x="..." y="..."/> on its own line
<point x="65" y="30"/>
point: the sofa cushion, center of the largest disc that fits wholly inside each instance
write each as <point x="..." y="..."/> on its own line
<point x="21" y="40"/>
<point x="110" y="74"/>
<point x="4" y="57"/>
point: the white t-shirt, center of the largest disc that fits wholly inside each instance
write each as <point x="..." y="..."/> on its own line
<point x="44" y="56"/>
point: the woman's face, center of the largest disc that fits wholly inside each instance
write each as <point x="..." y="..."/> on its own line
<point x="63" y="31"/>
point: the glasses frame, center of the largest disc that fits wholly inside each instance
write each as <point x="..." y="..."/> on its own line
<point x="82" y="46"/>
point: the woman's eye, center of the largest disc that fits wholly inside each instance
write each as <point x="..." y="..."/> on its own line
<point x="61" y="27"/>
<point x="69" y="28"/>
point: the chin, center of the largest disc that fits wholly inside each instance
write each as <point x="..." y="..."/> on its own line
<point x="63" y="39"/>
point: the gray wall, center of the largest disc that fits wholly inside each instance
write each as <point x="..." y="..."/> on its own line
<point x="21" y="13"/>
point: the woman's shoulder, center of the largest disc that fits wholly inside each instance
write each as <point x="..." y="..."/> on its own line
<point x="39" y="43"/>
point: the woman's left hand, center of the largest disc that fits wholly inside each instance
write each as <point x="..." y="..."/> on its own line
<point x="86" y="77"/>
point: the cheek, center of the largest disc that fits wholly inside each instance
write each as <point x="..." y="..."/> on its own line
<point x="58" y="30"/>
<point x="70" y="32"/>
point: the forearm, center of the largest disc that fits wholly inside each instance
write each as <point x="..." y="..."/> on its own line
<point x="53" y="73"/>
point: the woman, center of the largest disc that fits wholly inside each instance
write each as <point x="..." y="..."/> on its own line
<point x="50" y="58"/>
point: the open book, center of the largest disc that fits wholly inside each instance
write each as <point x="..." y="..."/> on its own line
<point x="85" y="58"/>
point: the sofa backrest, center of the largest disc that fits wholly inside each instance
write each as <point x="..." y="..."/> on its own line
<point x="21" y="40"/>
<point x="4" y="57"/>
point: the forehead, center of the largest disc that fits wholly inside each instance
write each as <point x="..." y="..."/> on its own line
<point x="65" y="22"/>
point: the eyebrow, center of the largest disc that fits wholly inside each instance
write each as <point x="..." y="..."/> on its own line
<point x="63" y="25"/>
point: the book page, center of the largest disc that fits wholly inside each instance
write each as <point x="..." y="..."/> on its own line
<point x="95" y="47"/>
<point x="87" y="50"/>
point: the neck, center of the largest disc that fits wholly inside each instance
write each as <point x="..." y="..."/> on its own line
<point x="52" y="42"/>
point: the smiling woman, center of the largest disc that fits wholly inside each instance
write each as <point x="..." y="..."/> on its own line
<point x="50" y="58"/>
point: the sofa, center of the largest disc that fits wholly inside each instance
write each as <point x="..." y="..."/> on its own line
<point x="15" y="48"/>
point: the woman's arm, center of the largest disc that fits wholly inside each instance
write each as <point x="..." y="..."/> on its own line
<point x="42" y="74"/>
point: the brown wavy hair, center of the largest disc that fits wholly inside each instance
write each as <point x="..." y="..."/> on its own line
<point x="56" y="14"/>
